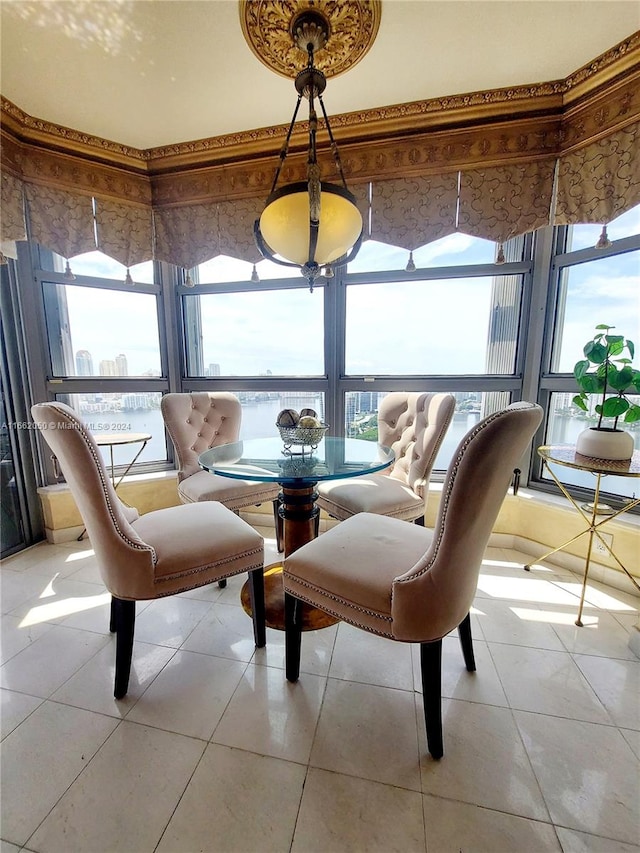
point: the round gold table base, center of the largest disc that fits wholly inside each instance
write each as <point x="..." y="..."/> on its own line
<point x="312" y="617"/>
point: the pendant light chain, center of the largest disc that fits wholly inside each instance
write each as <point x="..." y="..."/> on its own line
<point x="310" y="224"/>
<point x="285" y="146"/>
<point x="334" y="146"/>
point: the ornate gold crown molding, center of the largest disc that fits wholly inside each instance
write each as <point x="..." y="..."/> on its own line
<point x="268" y="28"/>
<point x="37" y="131"/>
<point x="461" y="131"/>
<point x="619" y="59"/>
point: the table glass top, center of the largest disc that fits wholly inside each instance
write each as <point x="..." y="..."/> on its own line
<point x="121" y="438"/>
<point x="264" y="460"/>
<point x="566" y="455"/>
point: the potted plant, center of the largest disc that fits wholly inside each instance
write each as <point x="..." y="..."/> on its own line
<point x="606" y="371"/>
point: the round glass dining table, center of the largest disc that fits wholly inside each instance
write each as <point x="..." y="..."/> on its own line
<point x="298" y="472"/>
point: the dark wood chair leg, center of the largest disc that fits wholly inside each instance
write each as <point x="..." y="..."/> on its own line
<point x="113" y="617"/>
<point x="125" y="626"/>
<point x="279" y="525"/>
<point x="466" y="641"/>
<point x="223" y="583"/>
<point x="316" y="524"/>
<point x="256" y="595"/>
<point x="431" y="668"/>
<point x="292" y="636"/>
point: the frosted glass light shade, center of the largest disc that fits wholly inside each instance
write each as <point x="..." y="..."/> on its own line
<point x="285" y="223"/>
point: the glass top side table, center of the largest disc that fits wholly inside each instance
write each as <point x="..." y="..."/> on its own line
<point x="591" y="513"/>
<point x="112" y="440"/>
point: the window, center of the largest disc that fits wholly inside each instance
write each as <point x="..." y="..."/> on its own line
<point x="489" y="333"/>
<point x="225" y="269"/>
<point x="93" y="331"/>
<point x="602" y="290"/>
<point x="586" y="236"/>
<point x="361" y="418"/>
<point x="123" y="415"/>
<point x="101" y="266"/>
<point x="105" y="345"/>
<point x="589" y="286"/>
<point x="260" y="409"/>
<point x="260" y="332"/>
<point x="454" y="249"/>
<point x="437" y="327"/>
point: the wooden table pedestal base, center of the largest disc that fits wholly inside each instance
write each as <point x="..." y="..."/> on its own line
<point x="313" y="618"/>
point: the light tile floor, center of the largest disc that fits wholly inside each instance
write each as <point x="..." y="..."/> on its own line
<point x="213" y="750"/>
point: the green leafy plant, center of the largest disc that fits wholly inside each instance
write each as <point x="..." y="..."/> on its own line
<point x="606" y="371"/>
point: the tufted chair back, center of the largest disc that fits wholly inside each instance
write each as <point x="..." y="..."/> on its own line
<point x="197" y="421"/>
<point x="408" y="423"/>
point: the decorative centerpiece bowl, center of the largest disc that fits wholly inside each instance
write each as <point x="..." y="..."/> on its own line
<point x="297" y="436"/>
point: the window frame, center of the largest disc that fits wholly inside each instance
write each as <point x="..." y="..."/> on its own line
<point x="550" y="381"/>
<point x="539" y="258"/>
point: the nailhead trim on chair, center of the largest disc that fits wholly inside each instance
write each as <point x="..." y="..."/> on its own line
<point x="79" y="427"/>
<point x="447" y="495"/>
<point x="342" y="617"/>
<point x="208" y="566"/>
<point x="340" y="600"/>
<point x="162" y="594"/>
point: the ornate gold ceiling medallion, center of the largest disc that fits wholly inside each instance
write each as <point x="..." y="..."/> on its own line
<point x="269" y="29"/>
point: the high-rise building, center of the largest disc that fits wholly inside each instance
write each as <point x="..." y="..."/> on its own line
<point x="84" y="363"/>
<point x="121" y="365"/>
<point x="214" y="370"/>
<point x="108" y="367"/>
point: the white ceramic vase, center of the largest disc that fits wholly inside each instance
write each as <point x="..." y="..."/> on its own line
<point x="605" y="443"/>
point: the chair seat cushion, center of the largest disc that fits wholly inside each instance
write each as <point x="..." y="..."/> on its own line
<point x="376" y="493"/>
<point x="349" y="571"/>
<point x="205" y="539"/>
<point x="235" y="494"/>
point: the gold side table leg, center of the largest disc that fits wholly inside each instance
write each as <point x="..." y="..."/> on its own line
<point x="587" y="563"/>
<point x="593" y="529"/>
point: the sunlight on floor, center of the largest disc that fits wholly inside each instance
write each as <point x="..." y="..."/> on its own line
<point x="48" y="591"/>
<point x="509" y="564"/>
<point x="80" y="555"/>
<point x="598" y="598"/>
<point x="553" y="616"/>
<point x="63" y="607"/>
<point x="525" y="589"/>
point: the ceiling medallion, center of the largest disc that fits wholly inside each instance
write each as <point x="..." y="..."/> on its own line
<point x="269" y="29"/>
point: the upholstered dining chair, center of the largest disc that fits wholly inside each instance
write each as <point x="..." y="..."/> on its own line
<point x="413" y="425"/>
<point x="407" y="582"/>
<point x="197" y="421"/>
<point x="148" y="556"/>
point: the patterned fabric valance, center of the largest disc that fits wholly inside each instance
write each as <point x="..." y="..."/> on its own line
<point x="594" y="184"/>
<point x="187" y="236"/>
<point x="504" y="201"/>
<point x="362" y="192"/>
<point x="125" y="231"/>
<point x="600" y="181"/>
<point x="235" y="229"/>
<point x="410" y="212"/>
<point x="12" y="201"/>
<point x="60" y="220"/>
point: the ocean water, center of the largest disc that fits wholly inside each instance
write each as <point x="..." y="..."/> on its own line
<point x="259" y="417"/>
